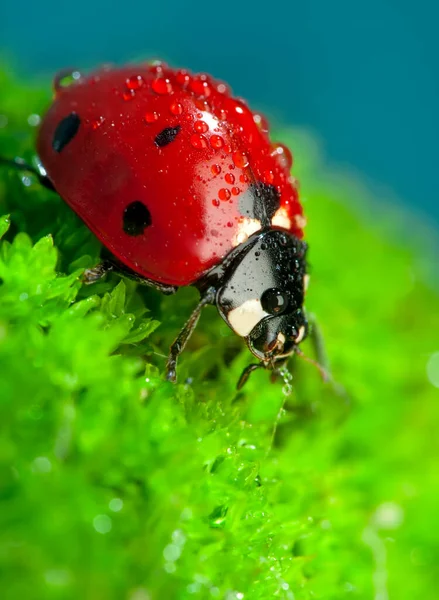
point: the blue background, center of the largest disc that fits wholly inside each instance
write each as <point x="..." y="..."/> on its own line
<point x="363" y="75"/>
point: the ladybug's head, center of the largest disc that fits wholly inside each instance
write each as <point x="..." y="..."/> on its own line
<point x="262" y="293"/>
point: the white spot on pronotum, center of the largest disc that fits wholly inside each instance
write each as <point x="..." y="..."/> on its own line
<point x="245" y="317"/>
<point x="300" y="221"/>
<point x="306" y="282"/>
<point x="300" y="335"/>
<point x="246" y="227"/>
<point x="281" y="218"/>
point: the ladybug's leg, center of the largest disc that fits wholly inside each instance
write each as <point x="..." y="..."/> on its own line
<point x="21" y="165"/>
<point x="181" y="340"/>
<point x="112" y="264"/>
<point x="318" y="343"/>
<point x="246" y="374"/>
<point x="96" y="273"/>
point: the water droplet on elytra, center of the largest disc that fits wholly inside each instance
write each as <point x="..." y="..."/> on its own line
<point x="243" y="178"/>
<point x="224" y="194"/>
<point x="200" y="86"/>
<point x="134" y="82"/>
<point x="283" y="154"/>
<point x="128" y="95"/>
<point x="151" y="117"/>
<point x="269" y="176"/>
<point x="176" y="108"/>
<point x="215" y="202"/>
<point x="201" y="126"/>
<point x="157" y="66"/>
<point x="228" y="148"/>
<point x="261" y="122"/>
<point x="96" y="124"/>
<point x="240" y="159"/>
<point x="161" y="86"/>
<point x="223" y="88"/>
<point x="216" y="169"/>
<point x="198" y="141"/>
<point x="182" y="77"/>
<point x="230" y="178"/>
<point x="236" y="191"/>
<point x="222" y="115"/>
<point x="216" y="141"/>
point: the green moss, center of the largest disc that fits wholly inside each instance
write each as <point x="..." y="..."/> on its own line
<point x="116" y="484"/>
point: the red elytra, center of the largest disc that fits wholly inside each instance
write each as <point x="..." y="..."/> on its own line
<point x="195" y="187"/>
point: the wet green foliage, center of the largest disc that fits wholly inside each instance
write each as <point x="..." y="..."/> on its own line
<point x="117" y="484"/>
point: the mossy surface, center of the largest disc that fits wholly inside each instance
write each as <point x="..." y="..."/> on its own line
<point x="117" y="484"/>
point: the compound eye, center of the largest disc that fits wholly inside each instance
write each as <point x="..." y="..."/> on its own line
<point x="274" y="301"/>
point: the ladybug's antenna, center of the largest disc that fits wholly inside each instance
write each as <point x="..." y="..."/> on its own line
<point x="21" y="165"/>
<point x="323" y="372"/>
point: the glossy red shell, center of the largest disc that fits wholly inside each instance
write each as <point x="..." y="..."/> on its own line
<point x="191" y="186"/>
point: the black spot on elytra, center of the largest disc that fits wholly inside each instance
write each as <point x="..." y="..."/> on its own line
<point x="167" y="136"/>
<point x="136" y="218"/>
<point x="65" y="131"/>
<point x="260" y="201"/>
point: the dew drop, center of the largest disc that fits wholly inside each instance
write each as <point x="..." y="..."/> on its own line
<point x="182" y="77"/>
<point x="161" y="86"/>
<point x="240" y="159"/>
<point x="97" y="123"/>
<point x="283" y="154"/>
<point x="216" y="169"/>
<point x="216" y="141"/>
<point x="230" y="178"/>
<point x="176" y="108"/>
<point x="134" y="82"/>
<point x="151" y="117"/>
<point x="224" y="194"/>
<point x="65" y="78"/>
<point x="102" y="524"/>
<point x="269" y="176"/>
<point x="201" y="126"/>
<point x="236" y="191"/>
<point x="157" y="66"/>
<point x="198" y="141"/>
<point x="201" y="105"/>
<point x="223" y="88"/>
<point x="222" y="115"/>
<point x="34" y="120"/>
<point x="287" y="377"/>
<point x="243" y="178"/>
<point x="216" y="202"/>
<point x="128" y="95"/>
<point x="261" y="122"/>
<point x="200" y="86"/>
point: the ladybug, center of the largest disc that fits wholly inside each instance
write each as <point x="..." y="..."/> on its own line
<point x="181" y="183"/>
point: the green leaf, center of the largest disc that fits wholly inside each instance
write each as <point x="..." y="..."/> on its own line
<point x="5" y="222"/>
<point x="141" y="332"/>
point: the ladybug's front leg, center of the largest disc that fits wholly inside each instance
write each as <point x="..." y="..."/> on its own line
<point x="181" y="340"/>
